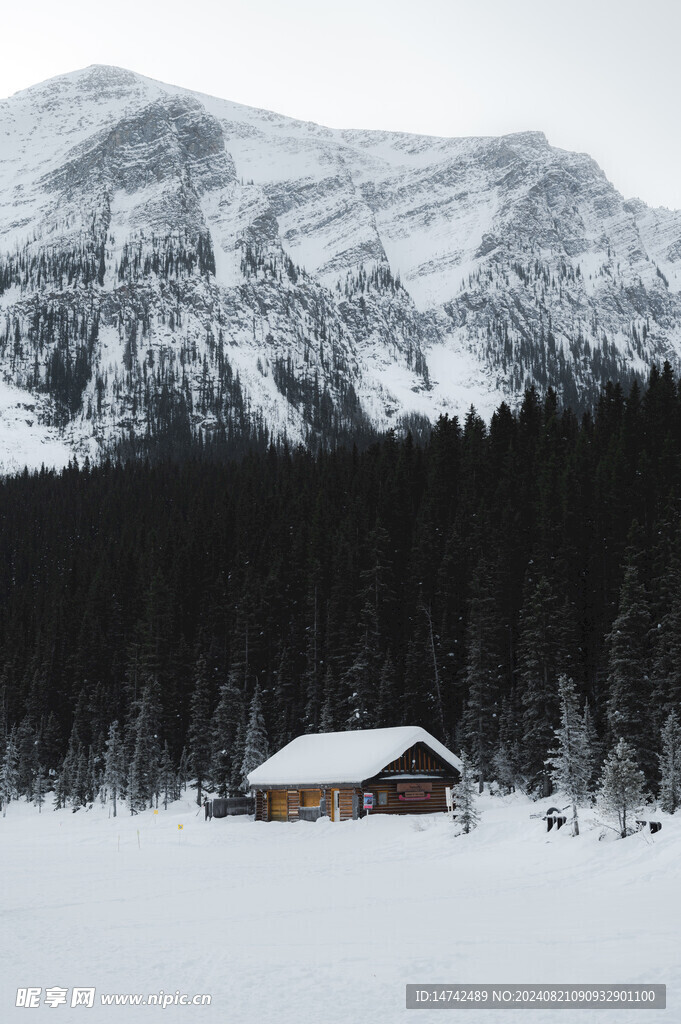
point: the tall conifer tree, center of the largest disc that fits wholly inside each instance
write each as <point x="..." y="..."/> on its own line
<point x="225" y="725"/>
<point x="538" y="670"/>
<point x="9" y="771"/>
<point x="666" y="649"/>
<point x="143" y="768"/>
<point x="628" y="669"/>
<point x="670" y="765"/>
<point x="199" y="733"/>
<point x="571" y="760"/>
<point x="114" y="765"/>
<point x="256" y="746"/>
<point x="464" y="796"/>
<point x="482" y="674"/>
<point x="622" y="786"/>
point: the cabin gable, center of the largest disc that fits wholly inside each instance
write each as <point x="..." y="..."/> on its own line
<point x="419" y="759"/>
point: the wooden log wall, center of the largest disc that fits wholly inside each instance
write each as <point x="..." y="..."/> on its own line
<point x="345" y="802"/>
<point x="293" y="804"/>
<point x="437" y="801"/>
<point x="260" y="806"/>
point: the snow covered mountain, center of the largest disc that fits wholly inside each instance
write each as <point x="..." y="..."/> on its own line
<point x="169" y="260"/>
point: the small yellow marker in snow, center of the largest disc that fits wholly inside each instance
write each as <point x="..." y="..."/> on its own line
<point x="180" y="826"/>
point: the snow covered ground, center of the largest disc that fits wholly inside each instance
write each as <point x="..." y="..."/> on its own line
<point x="324" y="923"/>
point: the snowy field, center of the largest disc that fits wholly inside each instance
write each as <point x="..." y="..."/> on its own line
<point x="324" y="923"/>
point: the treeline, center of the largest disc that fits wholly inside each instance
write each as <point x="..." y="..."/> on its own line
<point x="448" y="584"/>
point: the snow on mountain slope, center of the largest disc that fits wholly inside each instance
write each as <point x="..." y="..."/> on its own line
<point x="25" y="442"/>
<point x="169" y="258"/>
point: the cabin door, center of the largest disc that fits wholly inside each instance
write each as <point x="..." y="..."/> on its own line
<point x="336" y="805"/>
<point x="278" y="803"/>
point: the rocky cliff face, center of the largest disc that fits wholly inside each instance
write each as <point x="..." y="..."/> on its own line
<point x="173" y="260"/>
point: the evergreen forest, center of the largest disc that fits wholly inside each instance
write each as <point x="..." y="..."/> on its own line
<point x="165" y="620"/>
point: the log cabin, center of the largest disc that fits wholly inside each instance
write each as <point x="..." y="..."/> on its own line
<point x="405" y="770"/>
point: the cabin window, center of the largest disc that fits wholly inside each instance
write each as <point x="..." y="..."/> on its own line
<point x="382" y="798"/>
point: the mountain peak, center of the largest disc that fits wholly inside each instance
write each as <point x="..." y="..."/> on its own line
<point x="167" y="256"/>
<point x="530" y="139"/>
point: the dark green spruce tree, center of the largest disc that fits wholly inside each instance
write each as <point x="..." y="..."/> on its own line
<point x="670" y="765"/>
<point x="538" y="668"/>
<point x="199" y="733"/>
<point x="113" y="781"/>
<point x="665" y="673"/>
<point x="482" y="677"/>
<point x="143" y="781"/>
<point x="226" y="722"/>
<point x="628" y="681"/>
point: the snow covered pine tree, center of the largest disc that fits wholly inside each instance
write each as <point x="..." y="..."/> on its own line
<point x="464" y="796"/>
<point x="622" y="786"/>
<point x="571" y="760"/>
<point x="256" y="745"/>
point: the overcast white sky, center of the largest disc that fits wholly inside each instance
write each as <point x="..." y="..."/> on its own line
<point x="600" y="76"/>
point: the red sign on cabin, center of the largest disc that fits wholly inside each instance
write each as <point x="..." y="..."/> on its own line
<point x="368" y="801"/>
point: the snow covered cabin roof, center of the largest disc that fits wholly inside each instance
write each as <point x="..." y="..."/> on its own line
<point x="343" y="757"/>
